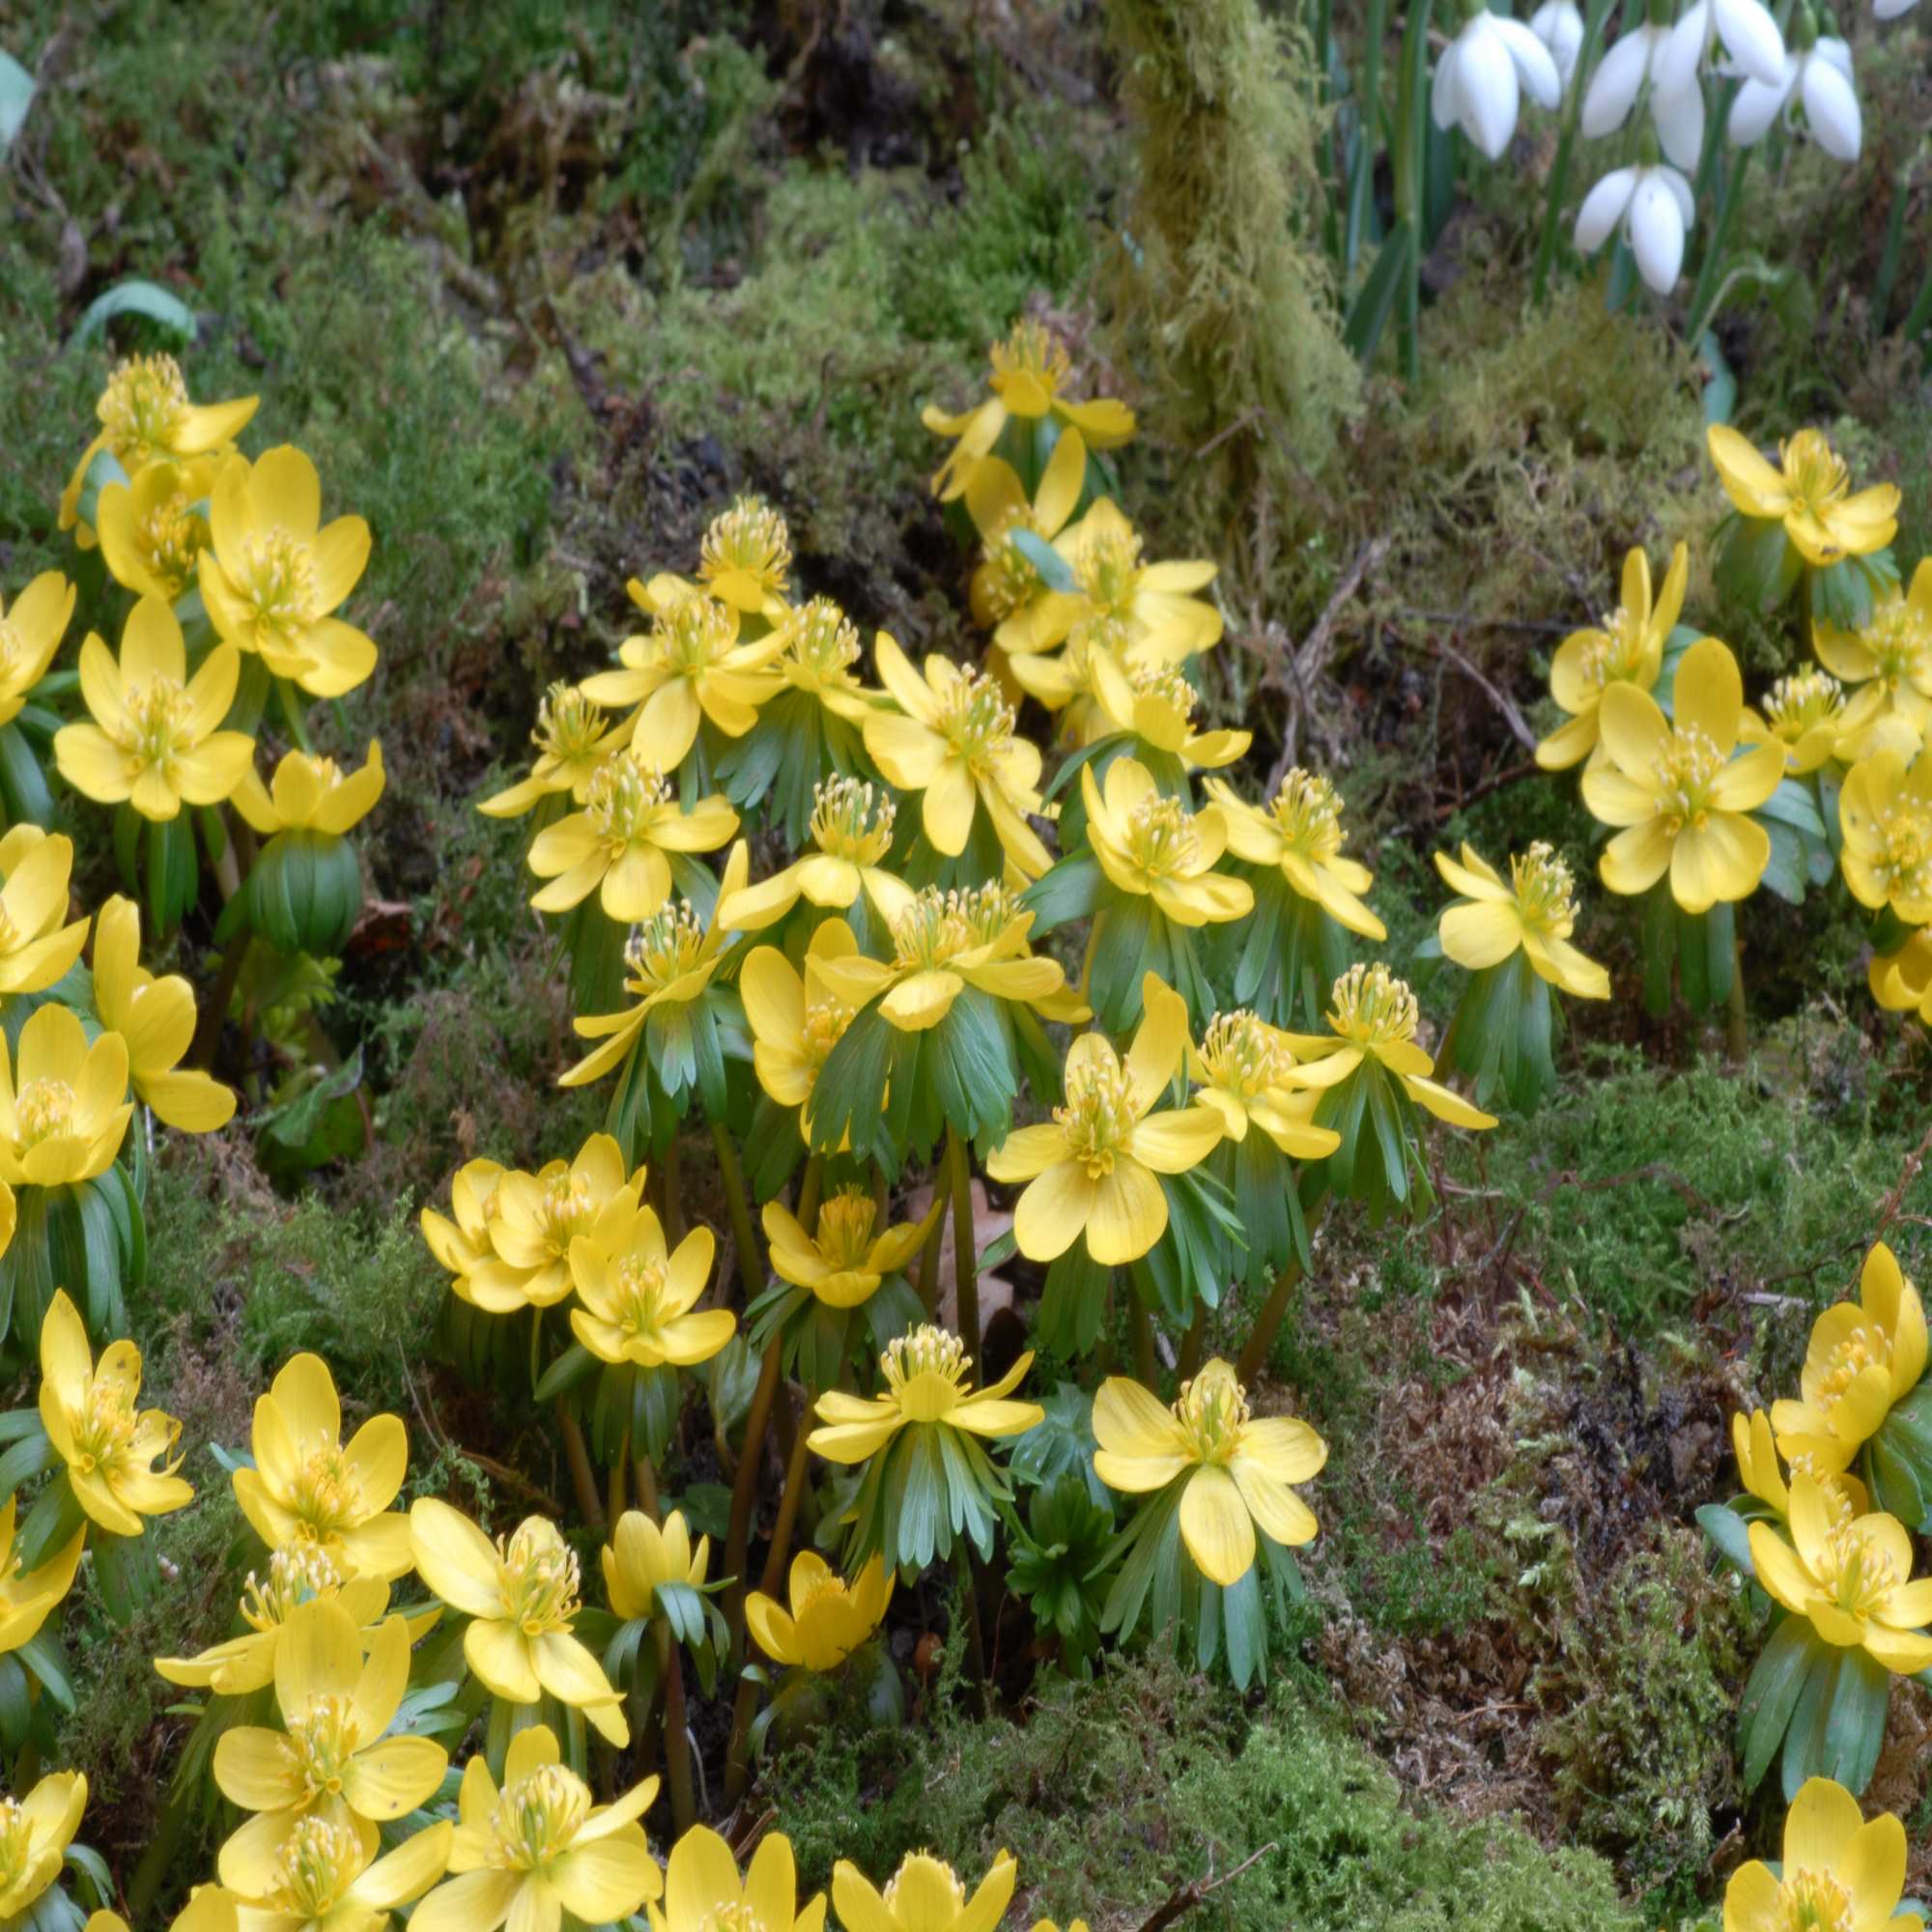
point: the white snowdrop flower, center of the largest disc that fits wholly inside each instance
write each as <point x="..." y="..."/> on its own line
<point x="1654" y="206"/>
<point x="1892" y="9"/>
<point x="1559" y="26"/>
<point x="1679" y="118"/>
<point x="1820" y="80"/>
<point x="1749" y="36"/>
<point x="1619" y="78"/>
<point x="1477" y="86"/>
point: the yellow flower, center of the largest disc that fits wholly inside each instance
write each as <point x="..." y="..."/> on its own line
<point x="299" y="1573"/>
<point x="1238" y="1467"/>
<point x="923" y="1895"/>
<point x="641" y="1303"/>
<point x="1808" y="714"/>
<point x="146" y="417"/>
<point x="1625" y="647"/>
<point x="464" y="1244"/>
<point x="689" y="668"/>
<point x="27" y="1595"/>
<point x="1534" y="914"/>
<point x="1863" y="1357"/>
<point x="953" y="741"/>
<point x="1031" y="368"/>
<point x="155" y="737"/>
<point x="1301" y="834"/>
<point x="852" y="826"/>
<point x="35" y="1833"/>
<point x="332" y="1760"/>
<point x="1093" y="1169"/>
<point x="843" y="1265"/>
<point x="1156" y="704"/>
<point x="925" y="1386"/>
<point x="1901" y="982"/>
<point x="1374" y="1016"/>
<point x="1244" y="1071"/>
<point x="615" y="846"/>
<point x="1143" y="613"/>
<point x="1809" y="492"/>
<point x="1848" y="1580"/>
<point x="573" y="738"/>
<point x="540" y="1849"/>
<point x="308" y="1486"/>
<point x="326" y="1881"/>
<point x="669" y="961"/>
<point x="37" y="945"/>
<point x="275" y="575"/>
<point x="640" y="1558"/>
<point x="109" y="1445"/>
<point x="704" y="1893"/>
<point x="1839" y="1873"/>
<point x="1758" y="1469"/>
<point x="30" y="634"/>
<point x="942" y="944"/>
<point x="311" y="794"/>
<point x="821" y="645"/>
<point x="1892" y="653"/>
<point x="533" y="1218"/>
<point x="795" y="1022"/>
<point x="1066" y="683"/>
<point x="829" y="1619"/>
<point x="1885" y="810"/>
<point x="152" y="530"/>
<point x="744" y="559"/>
<point x="520" y="1595"/>
<point x="1680" y="789"/>
<point x="1153" y="847"/>
<point x="156" y="1018"/>
<point x="1005" y="579"/>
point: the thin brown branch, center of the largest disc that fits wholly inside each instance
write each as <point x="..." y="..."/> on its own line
<point x="1188" y="1896"/>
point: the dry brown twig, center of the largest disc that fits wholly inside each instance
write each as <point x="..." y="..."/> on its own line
<point x="1187" y="1896"/>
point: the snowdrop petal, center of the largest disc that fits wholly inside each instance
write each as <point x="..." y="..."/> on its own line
<point x="1656" y="226"/>
<point x="1831" y="110"/>
<point x="1839" y="54"/>
<point x="1757" y="107"/>
<point x="1682" y="193"/>
<point x="1893" y="10"/>
<point x="1603" y="208"/>
<point x="1445" y="100"/>
<point x="1559" y="26"/>
<point x="1613" y="91"/>
<point x="1750" y="38"/>
<point x="1680" y="124"/>
<point x="1533" y="61"/>
<point x="1488" y="84"/>
<point x="1684" y="48"/>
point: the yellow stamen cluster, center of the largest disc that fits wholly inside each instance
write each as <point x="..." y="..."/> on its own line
<point x="44" y="1108"/>
<point x="1685" y="770"/>
<point x="622" y="794"/>
<point x="298" y="1574"/>
<point x="1010" y="580"/>
<point x="106" y="1427"/>
<point x="731" y="1914"/>
<point x="1370" y="1007"/>
<point x="846" y="1227"/>
<point x="567" y="1210"/>
<point x="1868" y="1345"/>
<point x="568" y="724"/>
<point x="1161" y="837"/>
<point x="749" y="536"/>
<point x="16" y="1843"/>
<point x="538" y="1816"/>
<point x="1898" y="639"/>
<point x="1107" y="570"/>
<point x="927" y="1351"/>
<point x="825" y="1024"/>
<point x="158" y="715"/>
<point x="642" y="1284"/>
<point x="1243" y="1055"/>
<point x="542" y="1580"/>
<point x="1813" y="1901"/>
<point x="327" y="1496"/>
<point x="693" y="634"/>
<point x="1212" y="1410"/>
<point x="1098" y="1117"/>
<point x="1034" y="349"/>
<point x="1615" y="654"/>
<point x="277" y="579"/>
<point x="324" y="1741"/>
<point x="1794" y="705"/>
<point x="824" y="641"/>
<point x="852" y="820"/>
<point x="1545" y="891"/>
<point x="1308" y="811"/>
<point x="1166" y="684"/>
<point x="1815" y="475"/>
<point x="170" y="537"/>
<point x="144" y="398"/>
<point x="664" y="947"/>
<point x="1858" y="1571"/>
<point x="317" y="1859"/>
<point x="976" y="720"/>
<point x="1903" y="858"/>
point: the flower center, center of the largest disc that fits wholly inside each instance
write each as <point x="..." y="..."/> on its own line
<point x="924" y="1371"/>
<point x="1859" y="1573"/>
<point x="1108" y="570"/>
<point x="541" y="1579"/>
<point x="319" y="1861"/>
<point x="825" y="1024"/>
<point x="1243" y="1055"/>
<point x="1813" y="1901"/>
<point x="1898" y="640"/>
<point x="1098" y="1117"/>
<point x="327" y="1496"/>
<point x="146" y="397"/>
<point x="1685" y="770"/>
<point x="749" y="536"/>
<point x="642" y="1283"/>
<point x="297" y="1573"/>
<point x="1795" y="704"/>
<point x="44" y="1110"/>
<point x="662" y="949"/>
<point x="1814" y="475"/>
<point x="1372" y="1007"/>
<point x="1009" y="579"/>
<point x="1161" y="837"/>
<point x="1166" y="687"/>
<point x="976" y="720"/>
<point x="538" y="1816"/>
<point x="694" y="635"/>
<point x="106" y="1425"/>
<point x="852" y="821"/>
<point x="158" y="731"/>
<point x="1308" y="811"/>
<point x="731" y="1914"/>
<point x="1032" y="349"/>
<point x="567" y="1211"/>
<point x="826" y="1586"/>
<point x="277" y="578"/>
<point x="1615" y="654"/>
<point x="323" y="1742"/>
<point x="1868" y="1345"/>
<point x="1903" y="860"/>
<point x="846" y="1227"/>
<point x="621" y="798"/>
<point x="1212" y="1410"/>
<point x="824" y="644"/>
<point x="1546" y="893"/>
<point x="932" y="929"/>
<point x="569" y="726"/>
<point x="169" y="538"/>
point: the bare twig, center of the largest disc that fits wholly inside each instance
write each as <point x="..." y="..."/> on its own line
<point x="1188" y="1896"/>
<point x="1888" y="1211"/>
<point x="1518" y="728"/>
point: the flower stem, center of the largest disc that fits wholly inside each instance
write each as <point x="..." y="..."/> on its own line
<point x="751" y="1263"/>
<point x="590" y="1505"/>
<point x="1737" y="1032"/>
<point x="745" y="1493"/>
<point x="1195" y="1339"/>
<point x="646" y="1480"/>
<point x="1566" y="143"/>
<point x="965" y="1258"/>
<point x="208" y="1031"/>
<point x="613" y="1503"/>
<point x="928" y="1269"/>
<point x="1147" y="1365"/>
<point x="807" y="1191"/>
<point x="677" y="1739"/>
<point x="671" y="1178"/>
<point x="1267" y="1324"/>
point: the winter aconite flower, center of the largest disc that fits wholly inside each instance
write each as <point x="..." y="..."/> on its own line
<point x="155" y="738"/>
<point x="541" y="1848"/>
<point x="1679" y="788"/>
<point x="1885" y="813"/>
<point x="522" y="1597"/>
<point x="1654" y="207"/>
<point x="640" y="1303"/>
<point x="1095" y="1168"/>
<point x="327" y="1880"/>
<point x="37" y="942"/>
<point x="1006" y="579"/>
<point x="1756" y="1449"/>
<point x="843" y="1263"/>
<point x="31" y="629"/>
<point x="795" y="1021"/>
<point x="574" y="736"/>
<point x="1244" y="1071"/>
<point x="1156" y="704"/>
<point x="1808" y="491"/>
<point x="35" y="1833"/>
<point x="275" y="574"/>
<point x="1484" y="72"/>
<point x="1151" y="846"/>
<point x="1535" y="914"/>
<point x="643" y="1556"/>
<point x="64" y="1106"/>
<point x="1625" y="646"/>
<point x="852" y="828"/>
<point x="1237" y="1468"/>
<point x="1300" y="834"/>
<point x="1374" y="1016"/>
<point x="1891" y="654"/>
<point x="927" y="1387"/>
<point x="28" y="1596"/>
<point x="534" y="1218"/>
<point x="109" y="1445"/>
<point x="704" y="1894"/>
<point x="829" y="1618"/>
<point x="925" y="1894"/>
<point x="154" y="530"/>
<point x="1837" y="1872"/>
<point x="1850" y="1582"/>
<point x="745" y="558"/>
<point x="311" y="794"/>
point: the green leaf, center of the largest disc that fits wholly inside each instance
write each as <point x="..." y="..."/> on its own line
<point x="138" y="297"/>
<point x="1729" y="1531"/>
<point x="16" y="94"/>
<point x="1375" y="300"/>
<point x="1720" y="386"/>
<point x="1853" y="1723"/>
<point x="1772" y="1694"/>
<point x="1054" y="571"/>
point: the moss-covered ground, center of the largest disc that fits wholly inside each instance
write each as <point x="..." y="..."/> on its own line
<point x="540" y="288"/>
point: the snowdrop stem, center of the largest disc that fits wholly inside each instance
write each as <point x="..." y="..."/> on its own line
<point x="1368" y="109"/>
<point x="1594" y="23"/>
<point x="1411" y="137"/>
